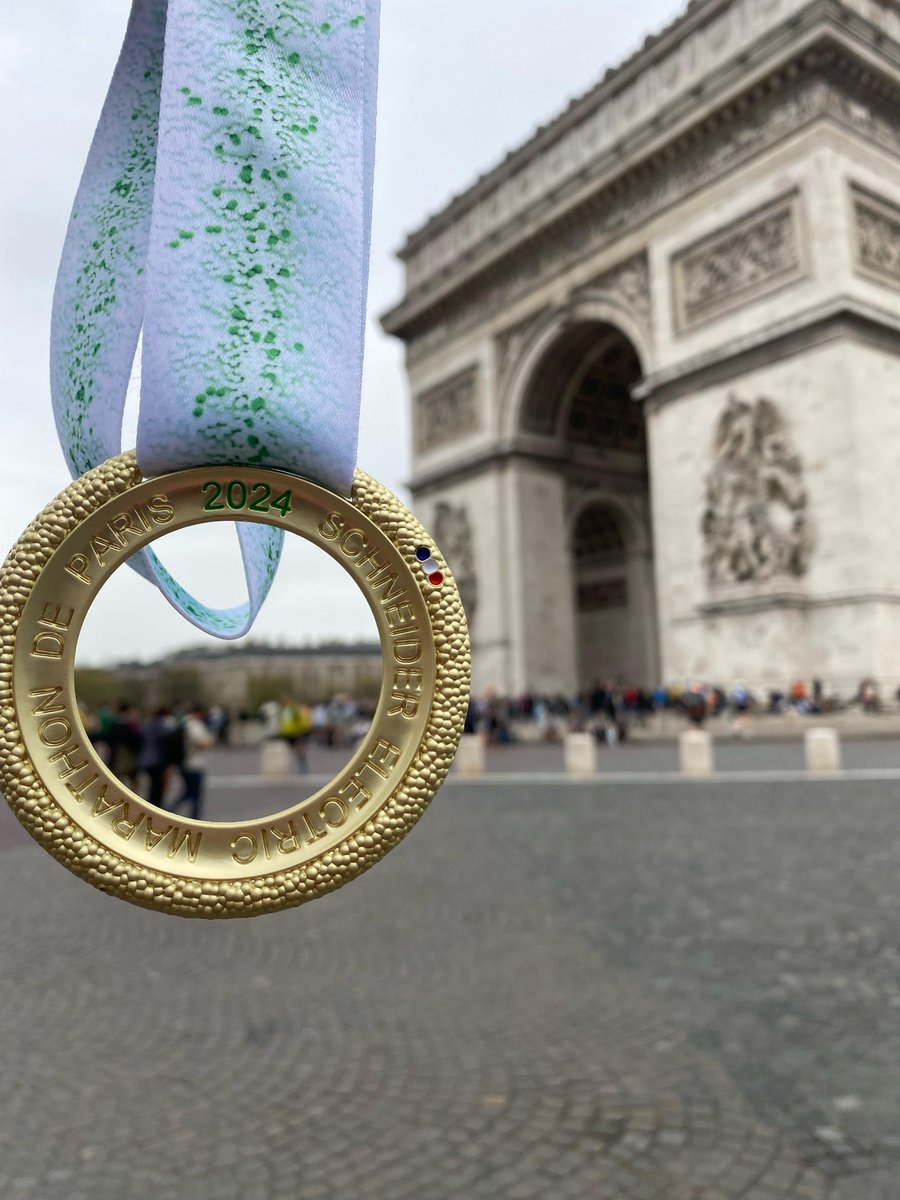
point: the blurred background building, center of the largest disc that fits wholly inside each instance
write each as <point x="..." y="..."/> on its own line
<point x="239" y="678"/>
<point x="653" y="357"/>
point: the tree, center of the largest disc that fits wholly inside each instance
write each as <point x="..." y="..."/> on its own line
<point x="262" y="688"/>
<point x="180" y="685"/>
<point x="99" y="686"/>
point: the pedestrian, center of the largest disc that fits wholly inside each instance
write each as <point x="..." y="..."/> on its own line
<point x="102" y="738"/>
<point x="295" y="727"/>
<point x="125" y="745"/>
<point x="152" y="758"/>
<point x="219" y="720"/>
<point x="694" y="704"/>
<point x="740" y="703"/>
<point x="867" y="696"/>
<point x="321" y="725"/>
<point x="270" y="715"/>
<point x="197" y="742"/>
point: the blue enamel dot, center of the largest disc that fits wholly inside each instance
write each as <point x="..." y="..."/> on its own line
<point x="423" y="554"/>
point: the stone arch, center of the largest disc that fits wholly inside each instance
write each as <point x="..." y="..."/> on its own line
<point x="573" y="420"/>
<point x="599" y="532"/>
<point x="613" y="597"/>
<point x="549" y="331"/>
<point x="635" y="530"/>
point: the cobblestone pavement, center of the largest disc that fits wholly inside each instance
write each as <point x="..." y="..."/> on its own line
<point x="681" y="992"/>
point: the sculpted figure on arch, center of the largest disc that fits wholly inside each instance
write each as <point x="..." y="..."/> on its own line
<point x="756" y="525"/>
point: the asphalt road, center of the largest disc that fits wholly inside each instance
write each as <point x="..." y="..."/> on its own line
<point x="681" y="991"/>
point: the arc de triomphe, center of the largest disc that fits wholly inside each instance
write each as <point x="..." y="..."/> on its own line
<point x="655" y="365"/>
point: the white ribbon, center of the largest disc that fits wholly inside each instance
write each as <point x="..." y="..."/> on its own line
<point x="225" y="208"/>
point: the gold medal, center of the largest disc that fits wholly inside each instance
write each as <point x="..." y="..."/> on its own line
<point x="68" y="799"/>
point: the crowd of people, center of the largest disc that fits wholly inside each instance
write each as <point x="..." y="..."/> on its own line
<point x="333" y="724"/>
<point x="163" y="754"/>
<point x="609" y="710"/>
<point x="154" y="753"/>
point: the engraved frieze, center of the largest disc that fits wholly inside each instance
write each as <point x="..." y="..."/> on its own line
<point x="629" y="282"/>
<point x="603" y="217"/>
<point x="740" y="263"/>
<point x="511" y="342"/>
<point x="756" y="525"/>
<point x="740" y="132"/>
<point x="448" y="411"/>
<point x="877" y="237"/>
<point x="614" y="108"/>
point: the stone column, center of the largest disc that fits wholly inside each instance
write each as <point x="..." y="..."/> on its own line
<point x="542" y="617"/>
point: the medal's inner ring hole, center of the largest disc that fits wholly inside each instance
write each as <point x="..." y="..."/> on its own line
<point x="282" y="710"/>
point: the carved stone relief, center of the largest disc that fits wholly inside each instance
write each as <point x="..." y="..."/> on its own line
<point x="756" y="525"/>
<point x="629" y="282"/>
<point x="603" y="217"/>
<point x="740" y="131"/>
<point x="447" y="411"/>
<point x="615" y="110"/>
<point x="453" y="533"/>
<point x="877" y="237"/>
<point x="741" y="263"/>
<point x="511" y="342"/>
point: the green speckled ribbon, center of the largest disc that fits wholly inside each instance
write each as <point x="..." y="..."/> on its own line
<point x="225" y="209"/>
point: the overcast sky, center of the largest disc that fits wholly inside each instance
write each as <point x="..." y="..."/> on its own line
<point x="461" y="84"/>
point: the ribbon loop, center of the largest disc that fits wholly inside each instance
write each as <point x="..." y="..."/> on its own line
<point x="225" y="209"/>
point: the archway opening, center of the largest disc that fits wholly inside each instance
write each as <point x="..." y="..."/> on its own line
<point x="581" y="391"/>
<point x="580" y="404"/>
<point x="613" y="588"/>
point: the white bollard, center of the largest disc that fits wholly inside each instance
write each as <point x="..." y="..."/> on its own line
<point x="695" y="752"/>
<point x="246" y="733"/>
<point x="823" y="751"/>
<point x="276" y="759"/>
<point x="581" y="755"/>
<point x="470" y="757"/>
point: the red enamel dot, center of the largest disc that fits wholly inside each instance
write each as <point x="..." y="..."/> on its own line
<point x="436" y="579"/>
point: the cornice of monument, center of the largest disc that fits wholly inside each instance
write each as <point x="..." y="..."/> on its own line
<point x="615" y="79"/>
<point x="762" y="16"/>
<point x="820" y="34"/>
<point x="617" y="468"/>
<point x="841" y="317"/>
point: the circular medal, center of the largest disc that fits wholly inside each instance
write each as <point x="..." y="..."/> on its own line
<point x="67" y="797"/>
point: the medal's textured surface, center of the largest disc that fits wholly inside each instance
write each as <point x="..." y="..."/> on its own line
<point x="66" y="797"/>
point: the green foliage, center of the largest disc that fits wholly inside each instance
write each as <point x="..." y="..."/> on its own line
<point x="180" y="685"/>
<point x="96" y="686"/>
<point x="175" y="684"/>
